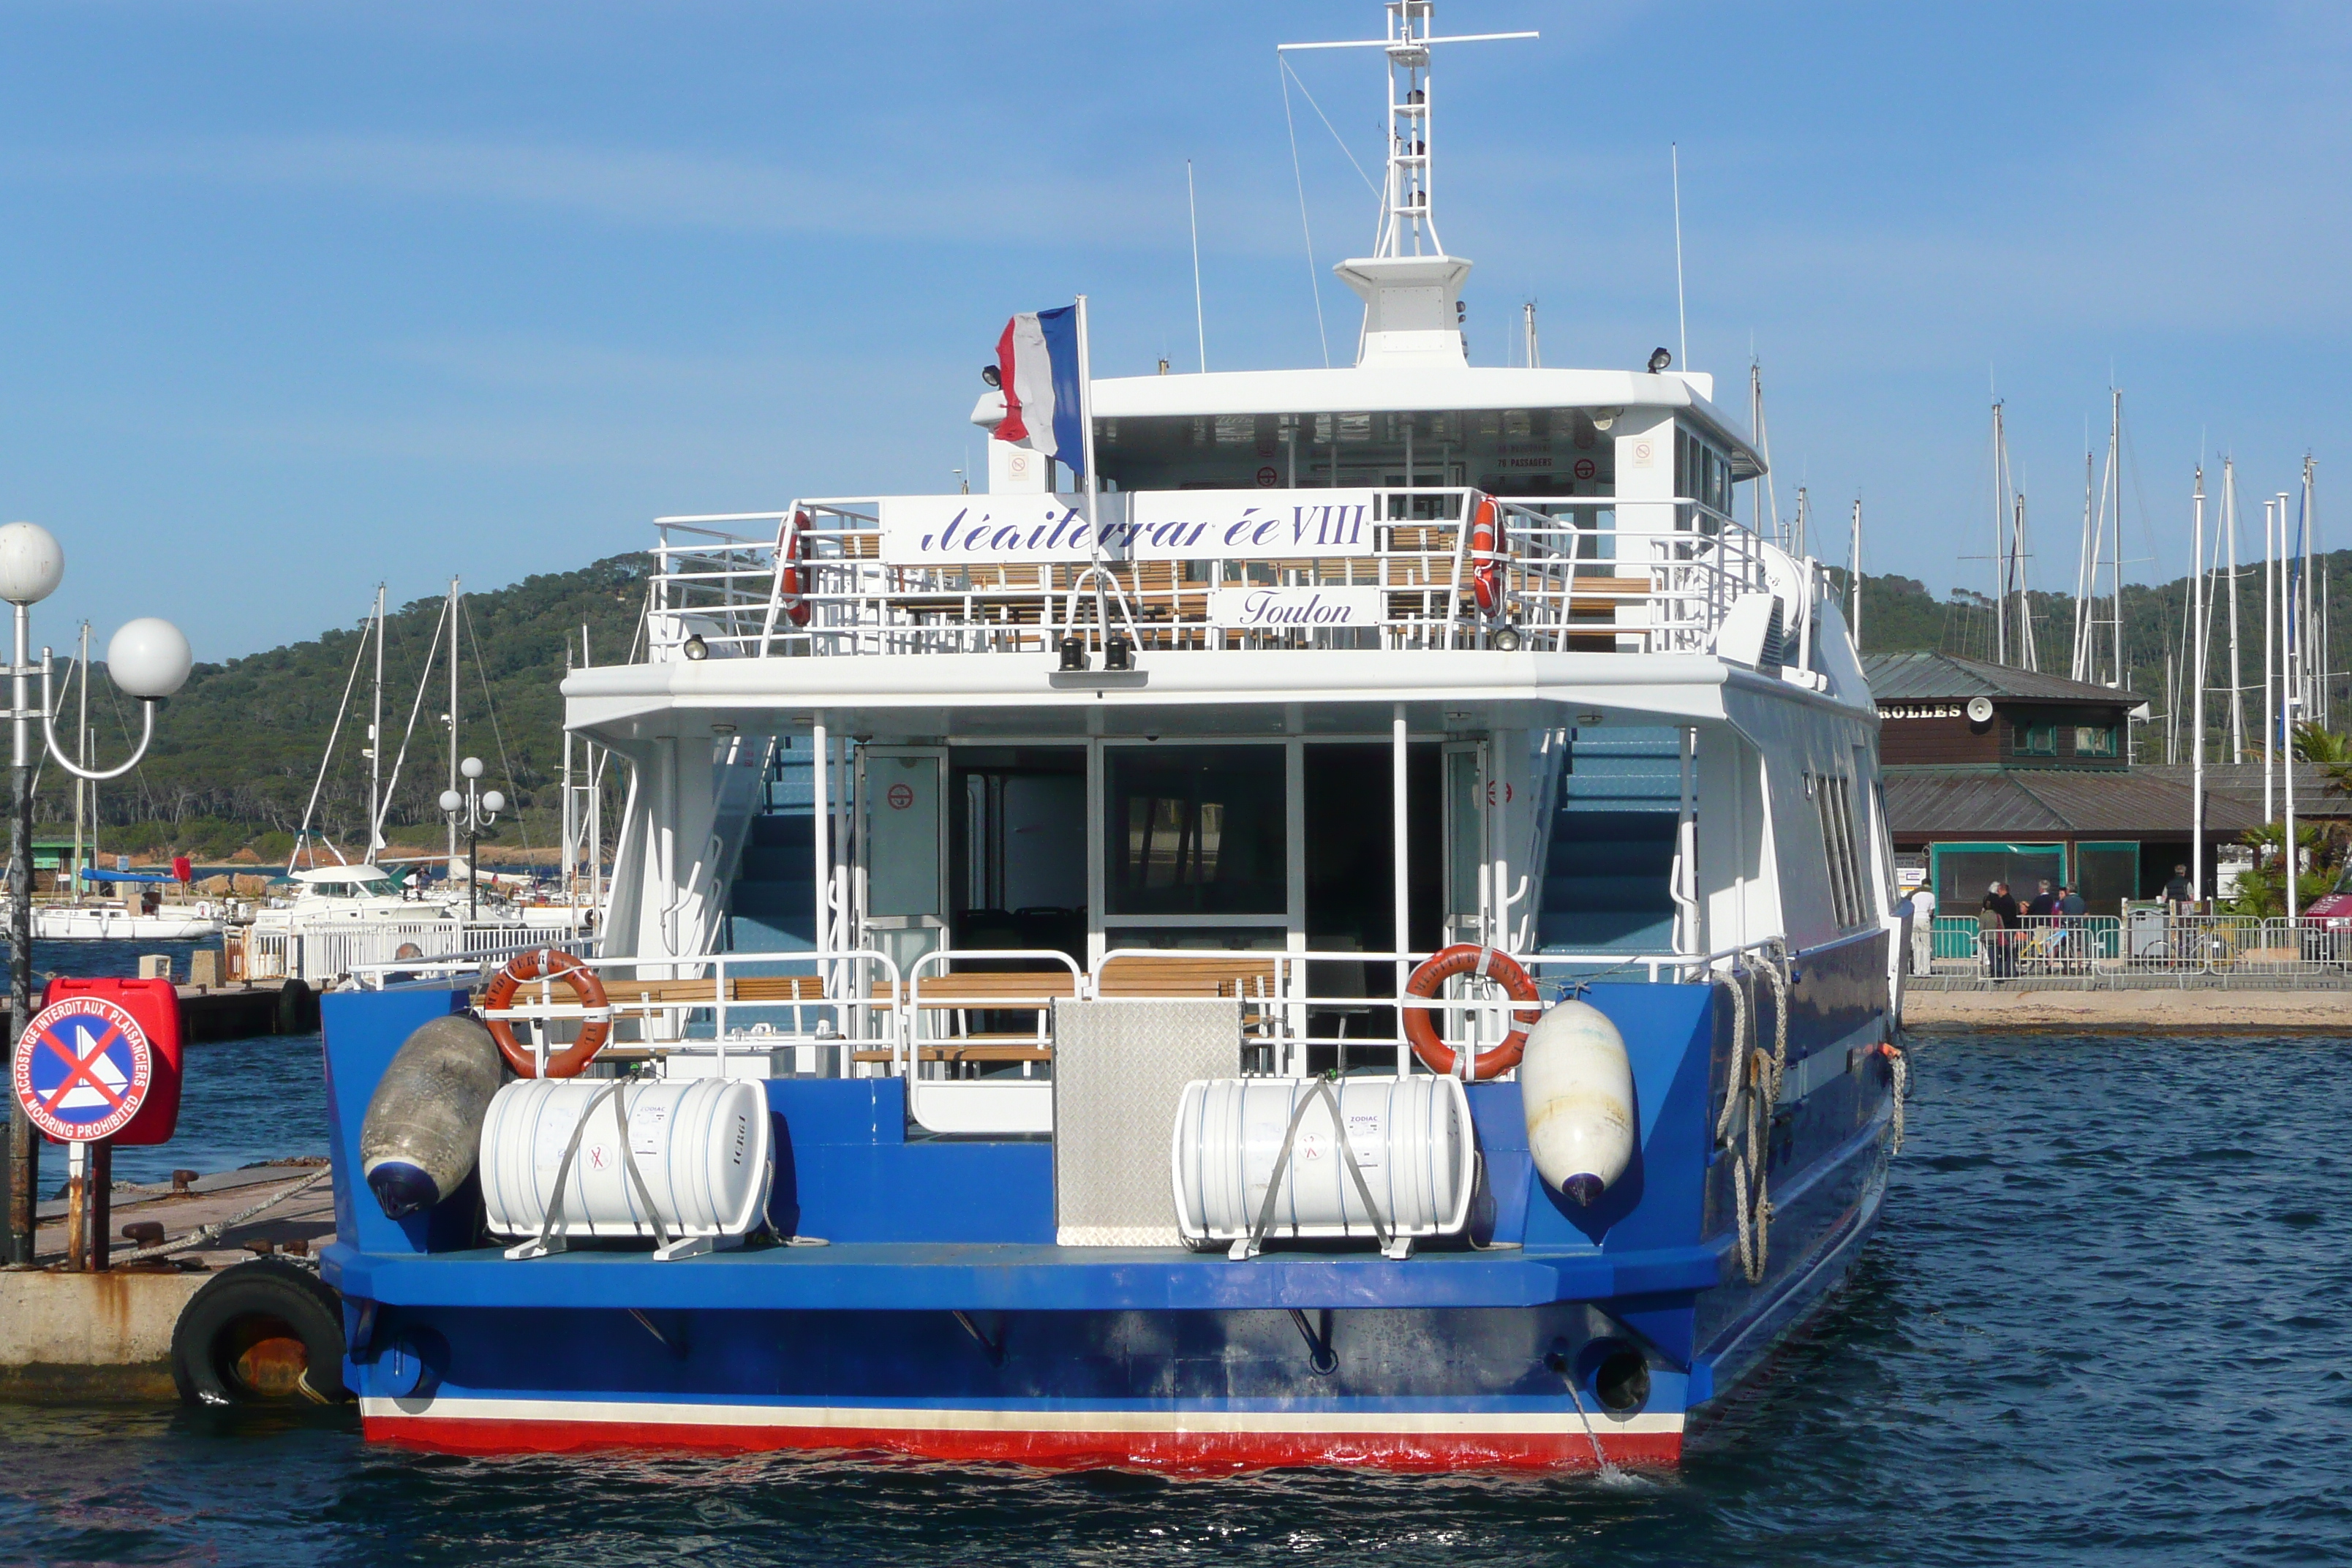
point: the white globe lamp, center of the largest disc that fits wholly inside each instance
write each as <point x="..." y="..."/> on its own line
<point x="148" y="657"/>
<point x="451" y="800"/>
<point x="493" y="802"/>
<point x="471" y="767"/>
<point x="32" y="563"/>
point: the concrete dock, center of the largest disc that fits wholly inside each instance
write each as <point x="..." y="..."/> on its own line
<point x="2062" y="1005"/>
<point x="108" y="1337"/>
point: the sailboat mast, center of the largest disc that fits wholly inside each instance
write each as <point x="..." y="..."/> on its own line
<point x="453" y="718"/>
<point x="2237" y="660"/>
<point x="2115" y="555"/>
<point x="2000" y="538"/>
<point x="2029" y="657"/>
<point x="2270" y="660"/>
<point x="2197" y="703"/>
<point x="375" y="740"/>
<point x="83" y="789"/>
<point x="1854" y="553"/>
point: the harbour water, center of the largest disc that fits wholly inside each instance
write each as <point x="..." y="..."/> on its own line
<point x="2106" y="1321"/>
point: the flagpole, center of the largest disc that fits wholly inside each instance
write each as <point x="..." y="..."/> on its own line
<point x="1087" y="451"/>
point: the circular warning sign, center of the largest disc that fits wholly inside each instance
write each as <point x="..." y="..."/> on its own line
<point x="900" y="796"/>
<point x="1586" y="468"/>
<point x="1267" y="479"/>
<point x="82" y="1069"/>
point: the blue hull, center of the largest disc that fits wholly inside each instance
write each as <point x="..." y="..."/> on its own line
<point x="942" y="1322"/>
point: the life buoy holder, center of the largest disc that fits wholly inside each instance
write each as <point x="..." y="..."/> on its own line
<point x="1469" y="958"/>
<point x="792" y="577"/>
<point x="549" y="963"/>
<point x="1486" y="554"/>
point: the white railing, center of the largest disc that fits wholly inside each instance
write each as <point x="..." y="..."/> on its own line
<point x="858" y="1018"/>
<point x="1576" y="576"/>
<point x="2146" y="942"/>
<point x="315" y="952"/>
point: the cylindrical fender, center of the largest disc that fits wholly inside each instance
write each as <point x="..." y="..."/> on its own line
<point x="1577" y="1084"/>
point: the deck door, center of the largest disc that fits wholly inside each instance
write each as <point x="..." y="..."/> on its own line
<point x="903" y="848"/>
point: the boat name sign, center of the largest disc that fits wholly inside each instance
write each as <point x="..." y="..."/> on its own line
<point x="1150" y="525"/>
<point x="1284" y="608"/>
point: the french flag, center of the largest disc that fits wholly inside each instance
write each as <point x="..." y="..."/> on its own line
<point x="1038" y="363"/>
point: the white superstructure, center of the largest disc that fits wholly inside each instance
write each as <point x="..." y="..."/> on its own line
<point x="1263" y="732"/>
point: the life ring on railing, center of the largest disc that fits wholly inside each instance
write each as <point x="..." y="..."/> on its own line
<point x="1469" y="958"/>
<point x="551" y="964"/>
<point x="791" y="578"/>
<point x="1486" y="554"/>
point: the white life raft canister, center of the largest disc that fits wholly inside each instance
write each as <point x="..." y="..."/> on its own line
<point x="1411" y="1138"/>
<point x="703" y="1148"/>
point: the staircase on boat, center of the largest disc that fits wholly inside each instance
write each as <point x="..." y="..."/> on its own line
<point x="1613" y="844"/>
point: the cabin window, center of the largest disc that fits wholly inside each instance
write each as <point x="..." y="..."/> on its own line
<point x="1841" y="848"/>
<point x="1196" y="830"/>
<point x="2094" y="741"/>
<point x="2034" y="739"/>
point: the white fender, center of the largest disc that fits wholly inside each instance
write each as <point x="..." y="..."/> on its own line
<point x="1577" y="1086"/>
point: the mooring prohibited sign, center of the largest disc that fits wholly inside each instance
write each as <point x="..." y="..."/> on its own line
<point x="82" y="1069"/>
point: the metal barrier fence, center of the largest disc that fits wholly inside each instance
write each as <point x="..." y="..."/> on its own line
<point x="319" y="951"/>
<point x="2146" y="942"/>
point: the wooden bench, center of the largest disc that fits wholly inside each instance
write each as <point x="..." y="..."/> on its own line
<point x="1177" y="975"/>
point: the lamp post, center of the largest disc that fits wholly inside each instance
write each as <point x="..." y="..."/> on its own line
<point x="473" y="811"/>
<point x="149" y="659"/>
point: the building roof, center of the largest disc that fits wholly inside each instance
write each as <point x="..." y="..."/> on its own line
<point x="2052" y="803"/>
<point x="2315" y="794"/>
<point x="1946" y="676"/>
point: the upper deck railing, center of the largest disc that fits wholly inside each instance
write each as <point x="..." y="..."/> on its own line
<point x="1570" y="576"/>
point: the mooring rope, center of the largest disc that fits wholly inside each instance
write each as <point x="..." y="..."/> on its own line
<point x="205" y="1235"/>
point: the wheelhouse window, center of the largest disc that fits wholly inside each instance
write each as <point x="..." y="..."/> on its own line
<point x="1196" y="830"/>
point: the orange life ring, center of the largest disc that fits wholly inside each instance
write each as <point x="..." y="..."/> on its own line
<point x="1487" y="552"/>
<point x="551" y="964"/>
<point x="792" y="585"/>
<point x="1469" y="958"/>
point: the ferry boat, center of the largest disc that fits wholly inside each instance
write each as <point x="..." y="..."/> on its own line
<point x="1332" y="916"/>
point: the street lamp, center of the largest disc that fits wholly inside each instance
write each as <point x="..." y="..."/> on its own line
<point x="148" y="659"/>
<point x="473" y="811"/>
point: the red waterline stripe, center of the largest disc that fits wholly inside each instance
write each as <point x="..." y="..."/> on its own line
<point x="1405" y="1451"/>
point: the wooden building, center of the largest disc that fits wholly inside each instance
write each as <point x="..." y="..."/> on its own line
<point x="1993" y="772"/>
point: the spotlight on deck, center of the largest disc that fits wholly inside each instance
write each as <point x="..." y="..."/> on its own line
<point x="993" y="377"/>
<point x="696" y="649"/>
<point x="1659" y="359"/>
<point x="1074" y="653"/>
<point x="1118" y="654"/>
<point x="1507" y="639"/>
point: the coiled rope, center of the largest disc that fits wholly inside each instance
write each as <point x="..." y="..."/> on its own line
<point x="1755" y="1090"/>
<point x="1898" y="1067"/>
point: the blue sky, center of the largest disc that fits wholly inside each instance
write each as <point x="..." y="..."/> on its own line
<point x="301" y="297"/>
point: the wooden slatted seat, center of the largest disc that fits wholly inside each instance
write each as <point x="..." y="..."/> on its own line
<point x="1177" y="974"/>
<point x="1019" y="989"/>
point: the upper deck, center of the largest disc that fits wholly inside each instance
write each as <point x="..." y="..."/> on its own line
<point x="1387" y="567"/>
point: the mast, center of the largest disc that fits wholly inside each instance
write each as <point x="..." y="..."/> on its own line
<point x="2115" y="574"/>
<point x="1853" y="554"/>
<point x="375" y="741"/>
<point x="2029" y="657"/>
<point x="1804" y="514"/>
<point x="81" y="740"/>
<point x="2237" y="662"/>
<point x="1535" y="353"/>
<point x="2197" y="703"/>
<point x="452" y="720"/>
<point x="2085" y="578"/>
<point x="2270" y="660"/>
<point x="2000" y="538"/>
<point x="1761" y="497"/>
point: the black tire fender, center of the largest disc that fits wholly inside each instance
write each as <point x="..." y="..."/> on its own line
<point x="268" y="1331"/>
